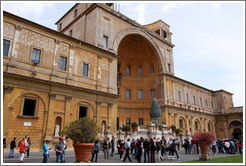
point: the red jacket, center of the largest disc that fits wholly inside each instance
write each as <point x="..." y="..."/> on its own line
<point x="22" y="147"/>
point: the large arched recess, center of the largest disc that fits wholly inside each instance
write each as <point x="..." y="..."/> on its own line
<point x="137" y="49"/>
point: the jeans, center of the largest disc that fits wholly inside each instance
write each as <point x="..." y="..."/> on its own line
<point x="93" y="154"/>
<point x="146" y="154"/>
<point x="46" y="158"/>
<point x="112" y="153"/>
<point x="11" y="153"/>
<point x="27" y="151"/>
<point x="175" y="151"/>
<point x="127" y="155"/>
<point x="59" y="158"/>
<point x="63" y="157"/>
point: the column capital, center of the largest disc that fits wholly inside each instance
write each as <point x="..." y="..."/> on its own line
<point x="110" y="105"/>
<point x="68" y="98"/>
<point x="18" y="27"/>
<point x="8" y="89"/>
<point x="71" y="46"/>
<point x="98" y="103"/>
<point x="52" y="96"/>
<point x="57" y="41"/>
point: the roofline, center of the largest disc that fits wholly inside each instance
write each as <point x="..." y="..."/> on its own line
<point x="222" y="90"/>
<point x="66" y="13"/>
<point x="156" y="22"/>
<point x="56" y="32"/>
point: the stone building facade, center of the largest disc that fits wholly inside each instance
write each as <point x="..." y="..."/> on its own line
<point x="103" y="65"/>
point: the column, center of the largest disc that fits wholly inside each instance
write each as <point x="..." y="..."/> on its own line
<point x="99" y="74"/>
<point x="56" y="54"/>
<point x="215" y="136"/>
<point x="50" y="126"/>
<point x="98" y="116"/>
<point x="225" y="129"/>
<point x="15" y="49"/>
<point x="206" y="125"/>
<point x="7" y="90"/>
<point x="111" y="116"/>
<point x="187" y="126"/>
<point x="68" y="111"/>
<point x="71" y="59"/>
<point x="193" y="125"/>
<point x="112" y="76"/>
<point x="174" y="96"/>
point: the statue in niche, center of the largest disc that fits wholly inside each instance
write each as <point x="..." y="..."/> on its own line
<point x="99" y="73"/>
<point x="103" y="130"/>
<point x="57" y="129"/>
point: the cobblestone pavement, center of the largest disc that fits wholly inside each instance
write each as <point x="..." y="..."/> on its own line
<point x="37" y="157"/>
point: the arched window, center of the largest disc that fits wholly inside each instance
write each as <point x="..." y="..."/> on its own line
<point x="196" y="124"/>
<point x="151" y="69"/>
<point x="140" y="70"/>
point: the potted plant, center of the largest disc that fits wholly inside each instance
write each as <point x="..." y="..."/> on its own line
<point x="204" y="139"/>
<point x="83" y="133"/>
<point x="134" y="126"/>
<point x="127" y="129"/>
<point x="177" y="131"/>
<point x="173" y="128"/>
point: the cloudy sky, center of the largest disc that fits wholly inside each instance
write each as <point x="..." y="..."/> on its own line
<point x="209" y="37"/>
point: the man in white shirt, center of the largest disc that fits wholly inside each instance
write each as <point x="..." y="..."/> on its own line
<point x="127" y="147"/>
<point x="227" y="146"/>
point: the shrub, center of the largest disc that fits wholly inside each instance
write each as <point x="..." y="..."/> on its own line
<point x="83" y="130"/>
<point x="134" y="124"/>
<point x="127" y="128"/>
<point x="173" y="127"/>
<point x="203" y="137"/>
<point x="177" y="131"/>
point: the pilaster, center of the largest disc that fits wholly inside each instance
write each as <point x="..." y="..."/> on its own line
<point x="68" y="111"/>
<point x="50" y="126"/>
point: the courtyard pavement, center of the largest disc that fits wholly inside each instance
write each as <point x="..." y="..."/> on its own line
<point x="37" y="157"/>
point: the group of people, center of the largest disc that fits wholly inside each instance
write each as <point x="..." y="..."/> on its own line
<point x="148" y="148"/>
<point x="227" y="146"/>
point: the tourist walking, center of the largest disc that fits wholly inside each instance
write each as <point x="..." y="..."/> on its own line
<point x="227" y="146"/>
<point x="193" y="143"/>
<point x="240" y="147"/>
<point x="163" y="146"/>
<point x="158" y="149"/>
<point x="45" y="151"/>
<point x="106" y="147"/>
<point x="121" y="149"/>
<point x="64" y="141"/>
<point x="12" y="148"/>
<point x="127" y="147"/>
<point x="214" y="147"/>
<point x="59" y="148"/>
<point x="173" y="149"/>
<point x="112" y="146"/>
<point x="95" y="150"/>
<point x="146" y="146"/>
<point x="22" y="150"/>
<point x="197" y="146"/>
<point x="152" y="151"/>
<point x="132" y="145"/>
<point x="232" y="146"/>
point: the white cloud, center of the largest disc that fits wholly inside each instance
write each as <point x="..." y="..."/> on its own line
<point x="28" y="9"/>
<point x="140" y="9"/>
<point x="170" y="5"/>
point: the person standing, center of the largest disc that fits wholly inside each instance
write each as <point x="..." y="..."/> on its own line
<point x="95" y="150"/>
<point x="112" y="146"/>
<point x="173" y="149"/>
<point x="132" y="145"/>
<point x="59" y="148"/>
<point x="121" y="149"/>
<point x="106" y="147"/>
<point x="64" y="141"/>
<point x="214" y="147"/>
<point x="22" y="150"/>
<point x="240" y="147"/>
<point x="45" y="151"/>
<point x="152" y="151"/>
<point x="197" y="146"/>
<point x="4" y="145"/>
<point x="140" y="147"/>
<point x="28" y="144"/>
<point x="193" y="143"/>
<point x="127" y="147"/>
<point x="158" y="146"/>
<point x="12" y="148"/>
<point x="146" y="146"/>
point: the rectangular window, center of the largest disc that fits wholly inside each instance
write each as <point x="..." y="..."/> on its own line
<point x="75" y="13"/>
<point x="118" y="91"/>
<point x="85" y="70"/>
<point x="60" y="26"/>
<point x="194" y="99"/>
<point x="128" y="93"/>
<point x="140" y="94"/>
<point x="29" y="107"/>
<point x="82" y="112"/>
<point x="181" y="123"/>
<point x="140" y="70"/>
<point x="105" y="42"/>
<point x="128" y="121"/>
<point x="140" y="121"/>
<point x="128" y="69"/>
<point x="200" y="101"/>
<point x="179" y="95"/>
<point x="212" y="104"/>
<point x="196" y="125"/>
<point x="209" y="127"/>
<point x="63" y="63"/>
<point x="152" y="93"/>
<point x="35" y="56"/>
<point x="118" y="68"/>
<point x="165" y="35"/>
<point x="151" y="69"/>
<point x="206" y="101"/>
<point x="169" y="68"/>
<point x="71" y="33"/>
<point x="187" y="97"/>
<point x="6" y="44"/>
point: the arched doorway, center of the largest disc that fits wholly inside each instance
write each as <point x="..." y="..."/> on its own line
<point x="237" y="132"/>
<point x="138" y="78"/>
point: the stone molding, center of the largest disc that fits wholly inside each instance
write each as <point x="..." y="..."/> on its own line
<point x="18" y="27"/>
<point x="52" y="96"/>
<point x="68" y="98"/>
<point x="8" y="89"/>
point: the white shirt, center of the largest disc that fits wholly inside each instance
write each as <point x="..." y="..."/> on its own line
<point x="128" y="145"/>
<point x="227" y="144"/>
